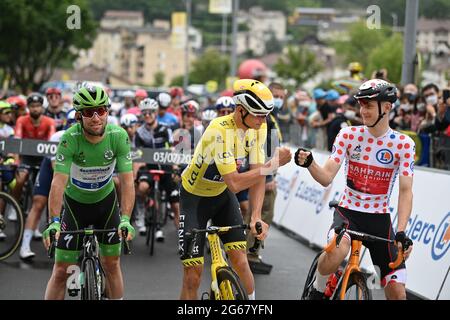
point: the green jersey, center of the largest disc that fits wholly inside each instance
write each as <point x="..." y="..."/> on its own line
<point x="90" y="166"/>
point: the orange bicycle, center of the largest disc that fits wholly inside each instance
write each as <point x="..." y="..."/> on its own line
<point x="352" y="283"/>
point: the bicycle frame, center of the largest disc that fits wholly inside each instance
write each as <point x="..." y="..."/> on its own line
<point x="217" y="261"/>
<point x="90" y="252"/>
<point x="353" y="262"/>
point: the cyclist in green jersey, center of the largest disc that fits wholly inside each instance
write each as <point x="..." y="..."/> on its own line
<point x="86" y="157"/>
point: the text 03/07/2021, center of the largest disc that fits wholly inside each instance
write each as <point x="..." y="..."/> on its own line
<point x="228" y="309"/>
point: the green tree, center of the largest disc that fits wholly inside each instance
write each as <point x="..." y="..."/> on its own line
<point x="211" y="65"/>
<point x="38" y="35"/>
<point x="388" y="55"/>
<point x="299" y="64"/>
<point x="273" y="45"/>
<point x="158" y="79"/>
<point x="362" y="41"/>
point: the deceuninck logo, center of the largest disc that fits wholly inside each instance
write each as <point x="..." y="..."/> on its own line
<point x="385" y="156"/>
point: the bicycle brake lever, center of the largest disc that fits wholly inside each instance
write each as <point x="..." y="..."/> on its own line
<point x="258" y="242"/>
<point x="126" y="244"/>
<point x="339" y="237"/>
<point x="51" y="250"/>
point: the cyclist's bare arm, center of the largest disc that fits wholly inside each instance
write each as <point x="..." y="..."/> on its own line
<point x="256" y="198"/>
<point x="55" y="197"/>
<point x="127" y="193"/>
<point x="241" y="181"/>
<point x="405" y="199"/>
<point x="323" y="175"/>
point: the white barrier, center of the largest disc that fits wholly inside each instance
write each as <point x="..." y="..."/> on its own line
<point x="302" y="207"/>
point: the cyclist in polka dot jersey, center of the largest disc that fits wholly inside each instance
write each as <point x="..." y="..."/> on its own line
<point x="374" y="155"/>
<point x="371" y="166"/>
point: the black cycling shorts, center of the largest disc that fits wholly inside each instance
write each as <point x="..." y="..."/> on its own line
<point x="195" y="211"/>
<point x="166" y="183"/>
<point x="102" y="215"/>
<point x="382" y="253"/>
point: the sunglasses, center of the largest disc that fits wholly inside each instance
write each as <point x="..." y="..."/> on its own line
<point x="225" y="112"/>
<point x="147" y="113"/>
<point x="90" y="112"/>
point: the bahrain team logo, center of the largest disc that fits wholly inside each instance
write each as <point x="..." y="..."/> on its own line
<point x="385" y="156"/>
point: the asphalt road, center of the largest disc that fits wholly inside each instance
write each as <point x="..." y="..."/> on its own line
<point x="159" y="277"/>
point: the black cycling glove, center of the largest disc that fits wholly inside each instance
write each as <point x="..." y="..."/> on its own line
<point x="403" y="239"/>
<point x="308" y="160"/>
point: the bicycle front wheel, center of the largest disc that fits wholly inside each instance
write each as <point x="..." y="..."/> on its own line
<point x="12" y="223"/>
<point x="356" y="288"/>
<point x="89" y="289"/>
<point x="310" y="278"/>
<point x="230" y="287"/>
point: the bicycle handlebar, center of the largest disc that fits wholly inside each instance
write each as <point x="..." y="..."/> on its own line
<point x="360" y="236"/>
<point x="51" y="249"/>
<point x="254" y="249"/>
<point x="210" y="230"/>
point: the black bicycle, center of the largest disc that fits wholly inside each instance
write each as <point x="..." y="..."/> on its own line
<point x="12" y="220"/>
<point x="156" y="207"/>
<point x="92" y="275"/>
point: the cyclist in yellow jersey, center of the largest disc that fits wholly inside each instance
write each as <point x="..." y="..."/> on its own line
<point x="211" y="180"/>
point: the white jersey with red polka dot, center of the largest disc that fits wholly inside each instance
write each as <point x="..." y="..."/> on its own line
<point x="371" y="166"/>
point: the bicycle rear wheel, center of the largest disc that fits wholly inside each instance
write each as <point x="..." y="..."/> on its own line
<point x="310" y="278"/>
<point x="12" y="223"/>
<point x="150" y="222"/>
<point x="89" y="287"/>
<point x="230" y="286"/>
<point x="356" y="288"/>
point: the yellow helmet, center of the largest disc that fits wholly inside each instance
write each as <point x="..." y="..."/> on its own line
<point x="254" y="96"/>
<point x="355" y="67"/>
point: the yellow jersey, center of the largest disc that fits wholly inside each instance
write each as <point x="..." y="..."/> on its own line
<point x="221" y="150"/>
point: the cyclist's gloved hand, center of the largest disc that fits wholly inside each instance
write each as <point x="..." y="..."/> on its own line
<point x="56" y="226"/>
<point x="405" y="241"/>
<point x="302" y="159"/>
<point x="125" y="223"/>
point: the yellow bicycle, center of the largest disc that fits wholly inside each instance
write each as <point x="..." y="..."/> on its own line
<point x="225" y="283"/>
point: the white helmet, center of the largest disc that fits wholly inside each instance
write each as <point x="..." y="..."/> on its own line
<point x="148" y="104"/>
<point x="128" y="94"/>
<point x="70" y="115"/>
<point x="127" y="120"/>
<point x="209" y="114"/>
<point x="225" y="102"/>
<point x="254" y="96"/>
<point x="164" y="99"/>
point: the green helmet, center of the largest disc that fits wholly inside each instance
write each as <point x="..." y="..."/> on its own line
<point x="4" y="105"/>
<point x="90" y="97"/>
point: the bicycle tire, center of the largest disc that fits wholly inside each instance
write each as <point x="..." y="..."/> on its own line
<point x="164" y="213"/>
<point x="228" y="279"/>
<point x="27" y="198"/>
<point x="310" y="278"/>
<point x="151" y="227"/>
<point x="358" y="281"/>
<point x="89" y="288"/>
<point x="18" y="226"/>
